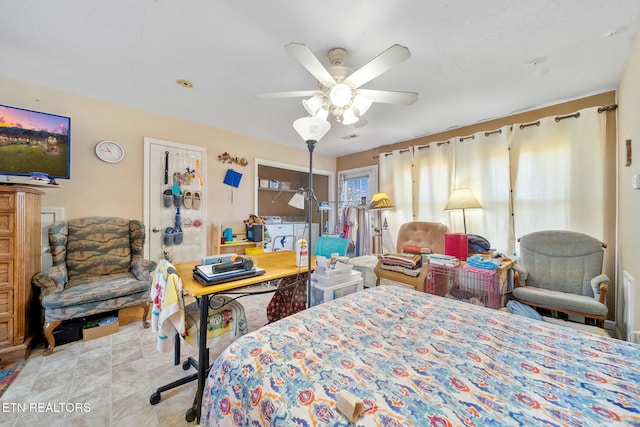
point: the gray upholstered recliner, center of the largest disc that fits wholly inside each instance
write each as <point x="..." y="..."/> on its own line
<point x="97" y="268"/>
<point x="562" y="271"/>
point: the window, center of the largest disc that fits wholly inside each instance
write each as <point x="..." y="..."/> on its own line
<point x="356" y="188"/>
<point x="353" y="223"/>
<point x="358" y="183"/>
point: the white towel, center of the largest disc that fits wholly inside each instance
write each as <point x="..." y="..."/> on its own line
<point x="167" y="317"/>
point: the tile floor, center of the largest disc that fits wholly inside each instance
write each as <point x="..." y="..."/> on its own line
<point x="107" y="381"/>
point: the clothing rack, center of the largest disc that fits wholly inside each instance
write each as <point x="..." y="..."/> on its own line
<point x="354" y="224"/>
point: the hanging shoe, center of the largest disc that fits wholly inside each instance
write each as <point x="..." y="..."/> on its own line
<point x="188" y="199"/>
<point x="177" y="236"/>
<point x="196" y="200"/>
<point x="168" y="236"/>
<point x="177" y="200"/>
<point x="167" y="198"/>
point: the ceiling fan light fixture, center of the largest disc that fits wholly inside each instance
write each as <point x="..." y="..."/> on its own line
<point x="313" y="105"/>
<point x="322" y="113"/>
<point x="362" y="104"/>
<point x="349" y="117"/>
<point x="340" y="95"/>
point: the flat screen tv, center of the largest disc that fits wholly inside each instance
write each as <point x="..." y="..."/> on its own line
<point x="34" y="143"/>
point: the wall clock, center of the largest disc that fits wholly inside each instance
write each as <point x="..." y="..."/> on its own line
<point x="110" y="151"/>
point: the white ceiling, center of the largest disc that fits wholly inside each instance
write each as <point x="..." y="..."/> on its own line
<point x="471" y="60"/>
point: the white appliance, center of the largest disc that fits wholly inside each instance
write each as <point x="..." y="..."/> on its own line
<point x="280" y="237"/>
<point x="283" y="236"/>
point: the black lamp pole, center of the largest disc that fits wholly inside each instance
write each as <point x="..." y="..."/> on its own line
<point x="311" y="129"/>
<point x="311" y="145"/>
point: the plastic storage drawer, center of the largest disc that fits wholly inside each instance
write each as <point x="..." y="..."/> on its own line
<point x="322" y="291"/>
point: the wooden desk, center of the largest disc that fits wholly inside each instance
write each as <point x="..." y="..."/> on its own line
<point x="276" y="265"/>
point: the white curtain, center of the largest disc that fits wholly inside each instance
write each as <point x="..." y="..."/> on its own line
<point x="557" y="173"/>
<point x="527" y="178"/>
<point x="396" y="179"/>
<point x="434" y="180"/>
<point x="481" y="163"/>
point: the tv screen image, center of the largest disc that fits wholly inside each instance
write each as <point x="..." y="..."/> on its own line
<point x="34" y="142"/>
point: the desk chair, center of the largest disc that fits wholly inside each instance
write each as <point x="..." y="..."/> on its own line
<point x="174" y="322"/>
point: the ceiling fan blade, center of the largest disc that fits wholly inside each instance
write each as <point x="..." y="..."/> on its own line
<point x="390" y="97"/>
<point x="309" y="61"/>
<point x="288" y="94"/>
<point x="378" y="65"/>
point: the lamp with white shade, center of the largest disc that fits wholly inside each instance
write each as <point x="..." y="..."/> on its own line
<point x="297" y="200"/>
<point x="462" y="198"/>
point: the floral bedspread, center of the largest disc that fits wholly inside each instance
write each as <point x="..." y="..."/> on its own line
<point x="422" y="360"/>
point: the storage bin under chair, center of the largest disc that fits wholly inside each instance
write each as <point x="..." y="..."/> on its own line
<point x="326" y="289"/>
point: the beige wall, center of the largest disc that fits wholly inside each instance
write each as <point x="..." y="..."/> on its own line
<point x="98" y="188"/>
<point x="370" y="158"/>
<point x="628" y="199"/>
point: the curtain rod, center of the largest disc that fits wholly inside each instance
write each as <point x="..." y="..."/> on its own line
<point x="427" y="145"/>
<point x="568" y="116"/>
<point x="391" y="153"/>
<point x="576" y="115"/>
<point x="536" y="123"/>
<point x="611" y="107"/>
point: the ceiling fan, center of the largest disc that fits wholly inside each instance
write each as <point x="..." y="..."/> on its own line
<point x="339" y="92"/>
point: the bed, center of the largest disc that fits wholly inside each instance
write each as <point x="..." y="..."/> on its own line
<point x="417" y="359"/>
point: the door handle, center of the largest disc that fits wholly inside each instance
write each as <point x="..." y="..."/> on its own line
<point x="156" y="230"/>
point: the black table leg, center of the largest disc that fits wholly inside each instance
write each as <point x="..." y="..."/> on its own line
<point x="203" y="353"/>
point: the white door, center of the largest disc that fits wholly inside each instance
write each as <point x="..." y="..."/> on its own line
<point x="175" y="201"/>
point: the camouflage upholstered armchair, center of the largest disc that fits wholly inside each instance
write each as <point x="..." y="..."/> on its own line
<point x="97" y="268"/>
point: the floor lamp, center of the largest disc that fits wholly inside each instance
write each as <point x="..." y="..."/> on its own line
<point x="311" y="130"/>
<point x="380" y="201"/>
<point x="462" y="198"/>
